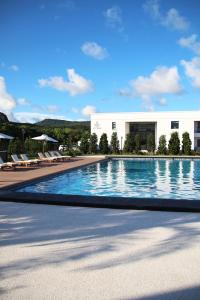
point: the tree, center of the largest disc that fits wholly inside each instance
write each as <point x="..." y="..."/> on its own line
<point x="93" y="143"/>
<point x="129" y="144"/>
<point x="103" y="144"/>
<point x="15" y="146"/>
<point x="174" y="144"/>
<point x="186" y="143"/>
<point x="114" y="143"/>
<point x="84" y="145"/>
<point x="137" y="142"/>
<point x="60" y="134"/>
<point x="162" y="147"/>
<point x="32" y="147"/>
<point x="151" y="143"/>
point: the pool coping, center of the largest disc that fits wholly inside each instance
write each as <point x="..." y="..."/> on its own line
<point x="171" y="157"/>
<point x="8" y="194"/>
<point x="157" y="204"/>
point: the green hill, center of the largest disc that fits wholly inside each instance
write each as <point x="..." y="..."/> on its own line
<point x="58" y="129"/>
<point x="84" y="125"/>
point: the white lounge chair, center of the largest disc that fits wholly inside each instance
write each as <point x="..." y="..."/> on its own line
<point x="59" y="158"/>
<point x="44" y="158"/>
<point x="55" y="158"/>
<point x="20" y="162"/>
<point x="60" y="155"/>
<point x="4" y="165"/>
<point x="33" y="161"/>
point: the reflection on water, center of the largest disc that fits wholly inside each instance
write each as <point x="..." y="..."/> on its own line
<point x="175" y="179"/>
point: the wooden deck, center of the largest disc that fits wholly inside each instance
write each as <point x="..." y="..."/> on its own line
<point x="23" y="174"/>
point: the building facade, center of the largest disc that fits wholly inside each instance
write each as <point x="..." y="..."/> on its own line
<point x="144" y="123"/>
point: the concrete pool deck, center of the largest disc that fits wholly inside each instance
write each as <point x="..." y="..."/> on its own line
<point x="56" y="252"/>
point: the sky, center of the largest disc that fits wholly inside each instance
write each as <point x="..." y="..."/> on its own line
<point x="67" y="59"/>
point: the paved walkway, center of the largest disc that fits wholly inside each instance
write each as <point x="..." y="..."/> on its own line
<point x="74" y="253"/>
<point x="21" y="174"/>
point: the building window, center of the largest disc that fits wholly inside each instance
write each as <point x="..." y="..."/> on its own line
<point x="198" y="127"/>
<point x="198" y="143"/>
<point x="174" y="124"/>
<point x="113" y="125"/>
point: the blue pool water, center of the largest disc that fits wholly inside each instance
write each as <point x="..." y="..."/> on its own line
<point x="143" y="178"/>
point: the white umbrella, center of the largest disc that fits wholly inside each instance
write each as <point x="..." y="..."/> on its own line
<point x="5" y="136"/>
<point x="44" y="138"/>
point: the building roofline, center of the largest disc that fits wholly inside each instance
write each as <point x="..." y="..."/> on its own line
<point x="148" y="112"/>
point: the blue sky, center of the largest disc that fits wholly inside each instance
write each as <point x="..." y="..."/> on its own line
<point x="69" y="58"/>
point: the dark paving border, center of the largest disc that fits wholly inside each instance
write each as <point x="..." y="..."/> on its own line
<point x="102" y="202"/>
<point x="156" y="157"/>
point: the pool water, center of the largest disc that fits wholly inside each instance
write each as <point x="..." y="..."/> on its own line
<point x="138" y="178"/>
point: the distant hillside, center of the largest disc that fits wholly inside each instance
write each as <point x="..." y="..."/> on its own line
<point x="3" y="118"/>
<point x="85" y="125"/>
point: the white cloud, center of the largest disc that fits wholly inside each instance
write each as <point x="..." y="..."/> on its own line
<point x="7" y="101"/>
<point x="171" y="19"/>
<point x="94" y="50"/>
<point x="75" y="85"/>
<point x="23" y="102"/>
<point x="191" y="43"/>
<point x="174" y="20"/>
<point x="14" y="68"/>
<point x="113" y="17"/>
<point x="88" y="110"/>
<point x="161" y="81"/>
<point x="192" y="70"/>
<point x="31" y="117"/>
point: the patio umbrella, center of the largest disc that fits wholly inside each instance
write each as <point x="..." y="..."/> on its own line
<point x="45" y="138"/>
<point x="5" y="137"/>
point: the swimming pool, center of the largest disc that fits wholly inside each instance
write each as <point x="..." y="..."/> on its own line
<point x="137" y="178"/>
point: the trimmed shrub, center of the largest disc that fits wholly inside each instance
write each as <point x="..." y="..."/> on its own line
<point x="137" y="142"/>
<point x="150" y="143"/>
<point x="186" y="143"/>
<point x="103" y="144"/>
<point x="114" y="143"/>
<point x="174" y="144"/>
<point x="93" y="143"/>
<point x="162" y="147"/>
<point x="85" y="144"/>
<point x="129" y="144"/>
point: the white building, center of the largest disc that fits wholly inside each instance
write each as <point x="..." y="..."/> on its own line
<point x="158" y="123"/>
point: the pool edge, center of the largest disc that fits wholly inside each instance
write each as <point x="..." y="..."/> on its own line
<point x="156" y="204"/>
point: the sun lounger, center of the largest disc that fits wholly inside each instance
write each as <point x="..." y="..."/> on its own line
<point x="4" y="165"/>
<point x="60" y="155"/>
<point x="33" y="161"/>
<point x="44" y="158"/>
<point x="55" y="158"/>
<point x="53" y="154"/>
<point x="20" y="162"/>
